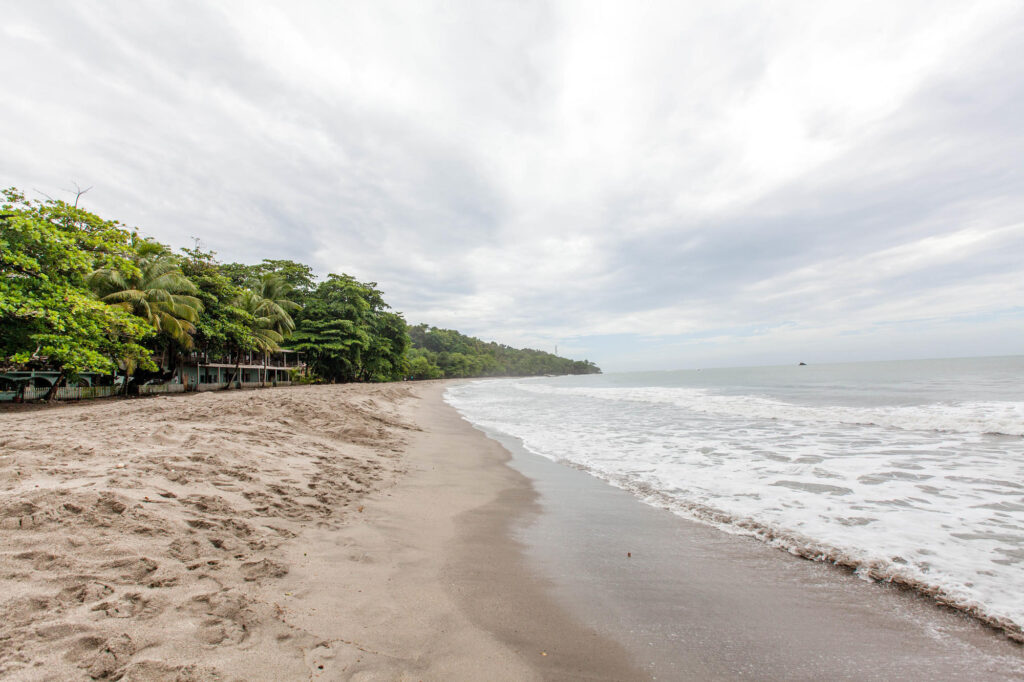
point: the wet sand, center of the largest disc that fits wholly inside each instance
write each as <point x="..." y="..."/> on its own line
<point x="432" y="586"/>
<point x="691" y="602"/>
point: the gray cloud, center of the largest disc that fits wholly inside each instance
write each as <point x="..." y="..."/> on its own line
<point x="666" y="186"/>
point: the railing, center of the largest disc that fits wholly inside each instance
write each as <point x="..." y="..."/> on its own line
<point x="63" y="393"/>
<point x="82" y="392"/>
<point x="210" y="387"/>
<point x="158" y="389"/>
<point x="288" y="361"/>
<point x="87" y="392"/>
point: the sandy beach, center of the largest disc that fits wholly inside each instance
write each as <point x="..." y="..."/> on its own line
<point x="302" y="533"/>
<point x="367" y="532"/>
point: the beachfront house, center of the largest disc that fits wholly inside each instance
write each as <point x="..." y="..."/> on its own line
<point x="203" y="372"/>
<point x="197" y="372"/>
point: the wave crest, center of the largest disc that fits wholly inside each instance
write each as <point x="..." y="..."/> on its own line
<point x="978" y="417"/>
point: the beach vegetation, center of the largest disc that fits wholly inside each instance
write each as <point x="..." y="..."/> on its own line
<point x="49" y="316"/>
<point x="297" y="277"/>
<point x="223" y="328"/>
<point x="79" y="294"/>
<point x="348" y="333"/>
<point x="154" y="289"/>
<point x="151" y="286"/>
<point x="447" y="353"/>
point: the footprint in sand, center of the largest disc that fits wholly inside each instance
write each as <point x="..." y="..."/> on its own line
<point x="84" y="593"/>
<point x="258" y="570"/>
<point x="185" y="549"/>
<point x="151" y="671"/>
<point x="132" y="569"/>
<point x="319" y="660"/>
<point x="108" y="657"/>
<point x="226" y="617"/>
<point x="131" y="605"/>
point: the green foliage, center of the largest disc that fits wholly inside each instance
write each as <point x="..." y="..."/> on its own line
<point x="419" y="366"/>
<point x="276" y="303"/>
<point x="155" y="289"/>
<point x="79" y="293"/>
<point x="48" y="315"/>
<point x="262" y="324"/>
<point x="298" y="278"/>
<point x="348" y="333"/>
<point x="447" y="353"/>
<point x="223" y="328"/>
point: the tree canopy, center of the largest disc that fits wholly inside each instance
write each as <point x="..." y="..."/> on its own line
<point x="48" y="313"/>
<point x="82" y="294"/>
<point x="437" y="353"/>
<point x="348" y="333"/>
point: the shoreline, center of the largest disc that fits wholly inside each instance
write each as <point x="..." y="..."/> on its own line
<point x="440" y="589"/>
<point x="690" y="601"/>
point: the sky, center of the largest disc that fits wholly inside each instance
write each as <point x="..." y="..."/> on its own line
<point x="645" y="185"/>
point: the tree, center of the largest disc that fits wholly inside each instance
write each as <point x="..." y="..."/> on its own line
<point x="348" y="333"/>
<point x="384" y="357"/>
<point x="419" y="366"/>
<point x="48" y="315"/>
<point x="155" y="290"/>
<point x="458" y="355"/>
<point x="222" y="328"/>
<point x="262" y="326"/>
<point x="276" y="303"/>
<point x="296" y="276"/>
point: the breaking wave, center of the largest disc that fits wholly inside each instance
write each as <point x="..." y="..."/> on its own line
<point x="977" y="417"/>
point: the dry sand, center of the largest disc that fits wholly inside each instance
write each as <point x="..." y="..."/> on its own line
<point x="332" y="532"/>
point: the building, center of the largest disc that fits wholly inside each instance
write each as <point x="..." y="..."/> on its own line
<point x="202" y="372"/>
<point x="197" y="372"/>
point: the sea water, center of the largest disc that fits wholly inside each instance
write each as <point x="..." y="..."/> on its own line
<point x="907" y="471"/>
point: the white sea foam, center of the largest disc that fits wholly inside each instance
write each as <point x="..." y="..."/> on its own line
<point x="995" y="417"/>
<point x="920" y="494"/>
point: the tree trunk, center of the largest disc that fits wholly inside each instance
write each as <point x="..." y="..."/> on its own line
<point x="238" y="363"/>
<point x="51" y="395"/>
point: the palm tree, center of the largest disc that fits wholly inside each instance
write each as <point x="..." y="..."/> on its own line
<point x="264" y="322"/>
<point x="277" y="303"/>
<point x="156" y="291"/>
<point x="265" y="318"/>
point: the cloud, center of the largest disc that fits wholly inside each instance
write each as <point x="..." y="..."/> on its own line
<point x="665" y="185"/>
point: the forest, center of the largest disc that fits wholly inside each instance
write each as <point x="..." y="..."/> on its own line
<point x="79" y="293"/>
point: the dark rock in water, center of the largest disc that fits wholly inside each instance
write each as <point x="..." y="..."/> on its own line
<point x="803" y="364"/>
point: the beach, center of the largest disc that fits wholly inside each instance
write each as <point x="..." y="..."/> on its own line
<point x="301" y="533"/>
<point x="368" y="532"/>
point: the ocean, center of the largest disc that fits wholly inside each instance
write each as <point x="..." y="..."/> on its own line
<point x="909" y="471"/>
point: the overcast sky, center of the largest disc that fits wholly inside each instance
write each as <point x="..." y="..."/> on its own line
<point x="645" y="185"/>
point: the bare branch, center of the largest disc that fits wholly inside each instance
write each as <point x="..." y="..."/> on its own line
<point x="79" y="192"/>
